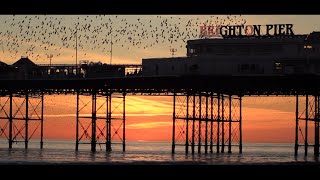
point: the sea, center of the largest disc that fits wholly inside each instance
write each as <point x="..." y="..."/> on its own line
<point x="145" y="152"/>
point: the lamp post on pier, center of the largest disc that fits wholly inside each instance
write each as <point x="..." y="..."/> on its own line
<point x="49" y="57"/>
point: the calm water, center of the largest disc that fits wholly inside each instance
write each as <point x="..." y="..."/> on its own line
<point x="146" y="152"/>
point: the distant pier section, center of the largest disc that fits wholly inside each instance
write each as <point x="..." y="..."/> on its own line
<point x="24" y="68"/>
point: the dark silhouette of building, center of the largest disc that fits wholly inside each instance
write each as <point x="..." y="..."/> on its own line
<point x="2" y="64"/>
<point x="26" y="69"/>
<point x="99" y="70"/>
<point x="242" y="55"/>
<point x="6" y="71"/>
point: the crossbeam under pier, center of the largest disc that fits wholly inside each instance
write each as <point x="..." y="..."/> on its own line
<point x="21" y="114"/>
<point x="201" y="118"/>
<point x="307" y="113"/>
<point x="106" y="121"/>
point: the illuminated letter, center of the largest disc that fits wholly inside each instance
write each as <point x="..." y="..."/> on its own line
<point x="240" y="30"/>
<point x="223" y="32"/>
<point x="275" y="29"/>
<point x="257" y="30"/>
<point x="289" y="29"/>
<point x="281" y="29"/>
<point x="269" y="27"/>
<point x="232" y="30"/>
<point x="248" y="30"/>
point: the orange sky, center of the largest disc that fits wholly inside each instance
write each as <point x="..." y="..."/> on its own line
<point x="148" y="118"/>
<point x="268" y="119"/>
<point x="16" y="39"/>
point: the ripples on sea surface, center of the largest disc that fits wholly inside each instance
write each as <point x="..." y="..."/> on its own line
<point x="148" y="152"/>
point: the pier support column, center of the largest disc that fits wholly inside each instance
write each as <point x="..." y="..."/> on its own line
<point x="187" y="123"/>
<point x="240" y="124"/>
<point x="222" y="124"/>
<point x="173" y="123"/>
<point x="230" y="122"/>
<point x="77" y="122"/>
<point x="10" y="121"/>
<point x="199" y="128"/>
<point x="124" y="122"/>
<point x="193" y="122"/>
<point x="296" y="145"/>
<point x="26" y="142"/>
<point x="316" y="127"/>
<point x="306" y="127"/>
<point x="211" y="122"/>
<point x="206" y="130"/>
<point x="218" y="125"/>
<point x="94" y="120"/>
<point x="41" y="121"/>
<point x="108" y="122"/>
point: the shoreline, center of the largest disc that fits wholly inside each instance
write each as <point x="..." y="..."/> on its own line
<point x="170" y="163"/>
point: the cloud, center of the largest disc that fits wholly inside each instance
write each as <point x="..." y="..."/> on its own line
<point x="148" y="125"/>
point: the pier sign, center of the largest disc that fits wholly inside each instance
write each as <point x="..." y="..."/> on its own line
<point x="246" y="30"/>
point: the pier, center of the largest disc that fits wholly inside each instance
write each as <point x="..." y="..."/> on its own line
<point x="206" y="114"/>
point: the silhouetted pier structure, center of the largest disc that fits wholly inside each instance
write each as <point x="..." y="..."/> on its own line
<point x="89" y="70"/>
<point x="207" y="110"/>
<point x="25" y="69"/>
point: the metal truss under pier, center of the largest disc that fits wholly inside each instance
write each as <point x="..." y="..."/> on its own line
<point x="207" y="110"/>
<point x="21" y="114"/>
<point x="307" y="119"/>
<point x="207" y="121"/>
<point x="100" y="119"/>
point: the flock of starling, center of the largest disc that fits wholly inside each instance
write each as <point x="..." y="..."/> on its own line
<point x="29" y="35"/>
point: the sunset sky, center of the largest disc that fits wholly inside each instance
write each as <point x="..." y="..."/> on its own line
<point x="265" y="119"/>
